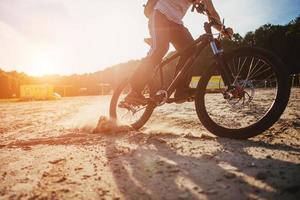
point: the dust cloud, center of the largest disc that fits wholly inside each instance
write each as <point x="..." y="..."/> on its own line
<point x="88" y="115"/>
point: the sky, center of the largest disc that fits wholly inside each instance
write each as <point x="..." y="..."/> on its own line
<point x="42" y="37"/>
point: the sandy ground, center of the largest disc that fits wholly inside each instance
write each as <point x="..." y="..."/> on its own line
<point x="48" y="151"/>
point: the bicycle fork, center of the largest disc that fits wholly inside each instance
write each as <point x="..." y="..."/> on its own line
<point x="222" y="66"/>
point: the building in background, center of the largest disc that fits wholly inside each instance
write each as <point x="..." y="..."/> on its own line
<point x="38" y="92"/>
<point x="215" y="83"/>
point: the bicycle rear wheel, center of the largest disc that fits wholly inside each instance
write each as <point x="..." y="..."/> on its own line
<point x="253" y="103"/>
<point x="134" y="116"/>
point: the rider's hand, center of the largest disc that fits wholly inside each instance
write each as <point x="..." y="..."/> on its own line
<point x="227" y="33"/>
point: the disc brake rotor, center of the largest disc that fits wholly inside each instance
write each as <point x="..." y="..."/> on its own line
<point x="241" y="94"/>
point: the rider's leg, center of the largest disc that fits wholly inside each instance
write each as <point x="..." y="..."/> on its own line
<point x="181" y="39"/>
<point x="160" y="35"/>
<point x="144" y="71"/>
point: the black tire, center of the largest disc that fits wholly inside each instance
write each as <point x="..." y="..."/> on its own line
<point x="268" y="119"/>
<point x="114" y="103"/>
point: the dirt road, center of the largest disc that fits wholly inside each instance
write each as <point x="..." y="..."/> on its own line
<point x="48" y="151"/>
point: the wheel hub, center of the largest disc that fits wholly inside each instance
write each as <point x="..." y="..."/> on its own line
<point x="241" y="94"/>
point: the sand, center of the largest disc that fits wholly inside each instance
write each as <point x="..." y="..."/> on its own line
<point x="48" y="151"/>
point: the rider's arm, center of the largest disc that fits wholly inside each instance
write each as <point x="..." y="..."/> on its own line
<point x="213" y="14"/>
<point x="228" y="32"/>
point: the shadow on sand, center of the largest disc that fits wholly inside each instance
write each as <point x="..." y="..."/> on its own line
<point x="167" y="166"/>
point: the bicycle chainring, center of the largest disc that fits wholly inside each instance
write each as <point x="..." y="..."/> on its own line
<point x="161" y="97"/>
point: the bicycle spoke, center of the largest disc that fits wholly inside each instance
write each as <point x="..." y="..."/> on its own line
<point x="232" y="68"/>
<point x="261" y="72"/>
<point x="258" y="70"/>
<point x="251" y="74"/>
<point x="250" y="68"/>
<point x="264" y="81"/>
<point x="253" y="69"/>
<point x="240" y="70"/>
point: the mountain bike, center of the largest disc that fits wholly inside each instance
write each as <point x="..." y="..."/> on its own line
<point x="242" y="94"/>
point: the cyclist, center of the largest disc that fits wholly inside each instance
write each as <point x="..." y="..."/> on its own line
<point x="166" y="26"/>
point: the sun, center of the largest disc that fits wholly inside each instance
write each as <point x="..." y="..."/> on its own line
<point x="44" y="63"/>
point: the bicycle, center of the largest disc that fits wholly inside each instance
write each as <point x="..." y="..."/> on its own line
<point x="252" y="85"/>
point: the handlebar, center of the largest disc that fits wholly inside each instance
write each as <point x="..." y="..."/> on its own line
<point x="201" y="8"/>
<point x="207" y="27"/>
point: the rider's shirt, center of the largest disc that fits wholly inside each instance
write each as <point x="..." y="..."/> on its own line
<point x="174" y="10"/>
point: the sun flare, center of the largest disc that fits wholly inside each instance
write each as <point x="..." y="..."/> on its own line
<point x="44" y="63"/>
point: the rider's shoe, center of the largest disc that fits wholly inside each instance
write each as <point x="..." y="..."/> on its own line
<point x="183" y="95"/>
<point x="135" y="98"/>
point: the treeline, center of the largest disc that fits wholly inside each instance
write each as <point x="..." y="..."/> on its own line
<point x="73" y="85"/>
<point x="282" y="40"/>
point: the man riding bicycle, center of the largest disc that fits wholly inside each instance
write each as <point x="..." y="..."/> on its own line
<point x="166" y="26"/>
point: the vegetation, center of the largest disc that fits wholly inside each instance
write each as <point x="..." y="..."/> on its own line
<point x="74" y="85"/>
<point x="282" y="40"/>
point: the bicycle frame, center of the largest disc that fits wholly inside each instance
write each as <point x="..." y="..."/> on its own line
<point x="198" y="46"/>
<point x="235" y="96"/>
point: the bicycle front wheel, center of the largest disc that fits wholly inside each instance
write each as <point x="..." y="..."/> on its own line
<point x="253" y="103"/>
